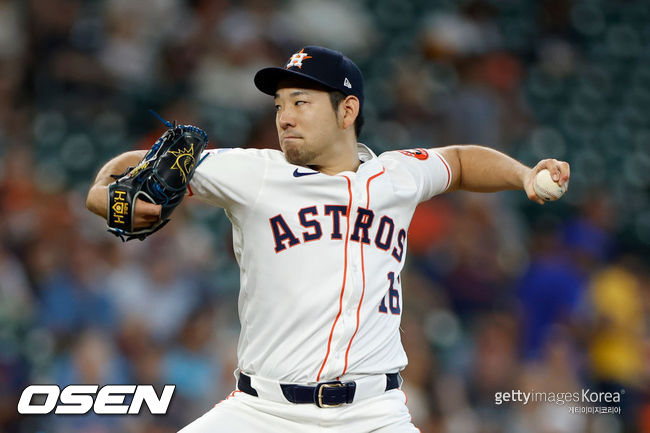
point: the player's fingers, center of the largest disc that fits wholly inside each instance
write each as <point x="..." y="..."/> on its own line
<point x="145" y="214"/>
<point x="529" y="189"/>
<point x="149" y="218"/>
<point x="139" y="225"/>
<point x="147" y="210"/>
<point x="553" y="166"/>
<point x="565" y="173"/>
<point x="532" y="196"/>
<point x="140" y="221"/>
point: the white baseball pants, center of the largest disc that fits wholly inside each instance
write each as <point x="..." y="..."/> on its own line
<point x="243" y="413"/>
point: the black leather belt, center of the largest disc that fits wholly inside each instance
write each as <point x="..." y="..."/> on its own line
<point x="326" y="394"/>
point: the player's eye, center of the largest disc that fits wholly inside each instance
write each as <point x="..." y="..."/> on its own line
<point x="300" y="102"/>
<point x="277" y="108"/>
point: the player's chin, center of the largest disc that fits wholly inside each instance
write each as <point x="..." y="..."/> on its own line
<point x="296" y="155"/>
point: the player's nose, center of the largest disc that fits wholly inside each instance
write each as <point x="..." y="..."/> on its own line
<point x="286" y="119"/>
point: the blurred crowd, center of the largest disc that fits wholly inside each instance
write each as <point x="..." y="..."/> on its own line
<point x="500" y="294"/>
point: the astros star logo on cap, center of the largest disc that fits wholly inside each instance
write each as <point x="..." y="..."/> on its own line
<point x="297" y="58"/>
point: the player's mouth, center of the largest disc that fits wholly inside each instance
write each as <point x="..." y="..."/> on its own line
<point x="290" y="137"/>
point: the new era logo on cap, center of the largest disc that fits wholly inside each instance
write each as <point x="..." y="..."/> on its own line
<point x="322" y="65"/>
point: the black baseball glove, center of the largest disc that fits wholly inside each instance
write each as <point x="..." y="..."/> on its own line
<point x="160" y="178"/>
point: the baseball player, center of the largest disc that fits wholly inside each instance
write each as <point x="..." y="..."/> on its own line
<point x="319" y="232"/>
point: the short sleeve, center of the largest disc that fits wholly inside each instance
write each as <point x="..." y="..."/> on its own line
<point x="429" y="171"/>
<point x="228" y="177"/>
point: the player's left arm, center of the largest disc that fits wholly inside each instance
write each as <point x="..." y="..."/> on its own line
<point x="481" y="169"/>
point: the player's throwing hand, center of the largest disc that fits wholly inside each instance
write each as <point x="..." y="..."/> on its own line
<point x="560" y="173"/>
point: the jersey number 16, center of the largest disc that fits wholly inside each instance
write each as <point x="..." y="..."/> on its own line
<point x="392" y="295"/>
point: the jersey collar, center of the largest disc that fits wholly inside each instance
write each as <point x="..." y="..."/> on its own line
<point x="365" y="154"/>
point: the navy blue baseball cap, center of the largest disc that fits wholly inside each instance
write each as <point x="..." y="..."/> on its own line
<point x="318" y="64"/>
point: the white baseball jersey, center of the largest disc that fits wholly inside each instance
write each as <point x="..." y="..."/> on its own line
<point x="320" y="257"/>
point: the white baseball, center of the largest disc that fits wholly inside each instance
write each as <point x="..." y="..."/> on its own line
<point x="546" y="188"/>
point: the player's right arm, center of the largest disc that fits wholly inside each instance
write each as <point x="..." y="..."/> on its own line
<point x="97" y="200"/>
<point x="482" y="169"/>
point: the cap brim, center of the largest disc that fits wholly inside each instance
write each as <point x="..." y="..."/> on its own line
<point x="267" y="79"/>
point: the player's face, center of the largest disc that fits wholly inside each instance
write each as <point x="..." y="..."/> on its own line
<point x="307" y="124"/>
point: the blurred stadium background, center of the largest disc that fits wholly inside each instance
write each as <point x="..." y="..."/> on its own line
<point x="500" y="294"/>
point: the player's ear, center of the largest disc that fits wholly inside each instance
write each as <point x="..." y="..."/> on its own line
<point x="349" y="109"/>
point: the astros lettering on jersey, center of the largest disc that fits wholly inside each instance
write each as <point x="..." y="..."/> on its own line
<point x="320" y="257"/>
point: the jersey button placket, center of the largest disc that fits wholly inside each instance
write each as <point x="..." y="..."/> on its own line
<point x="331" y="363"/>
<point x="346" y="324"/>
<point x="355" y="247"/>
<point x="355" y="280"/>
<point x="357" y="250"/>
